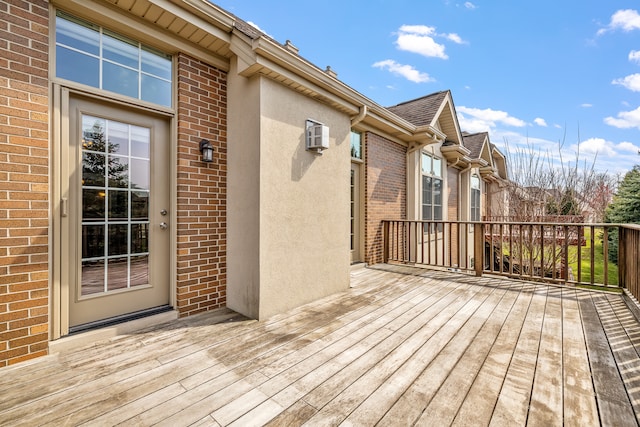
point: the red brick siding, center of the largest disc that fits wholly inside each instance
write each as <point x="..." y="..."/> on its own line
<point x="24" y="180"/>
<point x="385" y="190"/>
<point x="202" y="194"/>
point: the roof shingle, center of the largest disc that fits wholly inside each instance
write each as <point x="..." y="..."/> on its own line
<point x="473" y="142"/>
<point x="421" y="111"/>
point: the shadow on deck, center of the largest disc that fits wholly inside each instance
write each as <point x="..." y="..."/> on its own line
<point x="402" y="346"/>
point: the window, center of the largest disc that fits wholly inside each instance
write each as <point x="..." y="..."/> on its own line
<point x="91" y="55"/>
<point x="431" y="188"/>
<point x="475" y="198"/>
<point x="356" y="145"/>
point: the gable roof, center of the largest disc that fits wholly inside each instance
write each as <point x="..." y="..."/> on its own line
<point x="420" y="111"/>
<point x="474" y="142"/>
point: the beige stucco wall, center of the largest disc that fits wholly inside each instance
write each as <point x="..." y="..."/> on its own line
<point x="289" y="208"/>
<point x="305" y="202"/>
<point x="243" y="194"/>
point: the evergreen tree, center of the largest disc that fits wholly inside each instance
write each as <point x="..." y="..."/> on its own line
<point x="625" y="208"/>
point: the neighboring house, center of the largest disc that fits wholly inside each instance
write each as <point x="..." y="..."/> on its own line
<point x="445" y="176"/>
<point x="489" y="169"/>
<point x="110" y="209"/>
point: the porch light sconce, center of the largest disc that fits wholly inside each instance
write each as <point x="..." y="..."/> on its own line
<point x="207" y="151"/>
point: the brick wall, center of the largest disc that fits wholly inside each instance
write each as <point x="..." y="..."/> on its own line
<point x="385" y="190"/>
<point x="201" y="204"/>
<point x="24" y="180"/>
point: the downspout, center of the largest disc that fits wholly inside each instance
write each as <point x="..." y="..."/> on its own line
<point x="360" y="117"/>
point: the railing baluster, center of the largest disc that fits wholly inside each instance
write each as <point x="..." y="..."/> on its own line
<point x="450" y="244"/>
<point x="422" y="240"/>
<point x="429" y="242"/>
<point x="397" y="241"/>
<point x="531" y="269"/>
<point x="417" y="238"/>
<point x="443" y="244"/>
<point x="408" y="251"/>
<point x="510" y="249"/>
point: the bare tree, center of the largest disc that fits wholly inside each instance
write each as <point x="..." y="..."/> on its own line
<point x="546" y="187"/>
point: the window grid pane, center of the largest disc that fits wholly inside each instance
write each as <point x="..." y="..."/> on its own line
<point x="115" y="209"/>
<point x="432" y="188"/>
<point x="91" y="55"/>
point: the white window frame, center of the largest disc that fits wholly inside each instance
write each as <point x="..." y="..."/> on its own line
<point x="429" y="165"/>
<point x="475" y="194"/>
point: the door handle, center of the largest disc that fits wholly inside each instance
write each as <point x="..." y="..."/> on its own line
<point x="164" y="226"/>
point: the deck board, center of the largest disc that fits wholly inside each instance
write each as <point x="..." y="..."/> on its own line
<point x="512" y="405"/>
<point x="479" y="401"/>
<point x="403" y="346"/>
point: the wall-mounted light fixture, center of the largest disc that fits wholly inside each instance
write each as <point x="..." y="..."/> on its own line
<point x="207" y="151"/>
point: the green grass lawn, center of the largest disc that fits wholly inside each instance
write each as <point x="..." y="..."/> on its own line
<point x="598" y="270"/>
<point x="585" y="264"/>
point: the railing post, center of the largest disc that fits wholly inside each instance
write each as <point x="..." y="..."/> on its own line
<point x="385" y="241"/>
<point x="622" y="258"/>
<point x="605" y="257"/>
<point x="478" y="247"/>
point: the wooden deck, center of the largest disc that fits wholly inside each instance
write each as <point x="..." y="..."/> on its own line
<point x="402" y="347"/>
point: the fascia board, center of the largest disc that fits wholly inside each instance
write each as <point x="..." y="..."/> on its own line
<point x="457" y="149"/>
<point x="217" y="23"/>
<point x="307" y="74"/>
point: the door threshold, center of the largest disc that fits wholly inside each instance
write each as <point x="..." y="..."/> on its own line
<point x="90" y="336"/>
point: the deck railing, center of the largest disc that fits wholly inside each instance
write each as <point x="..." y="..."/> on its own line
<point x="629" y="258"/>
<point x="566" y="253"/>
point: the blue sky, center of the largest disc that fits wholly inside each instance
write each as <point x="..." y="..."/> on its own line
<point x="544" y="72"/>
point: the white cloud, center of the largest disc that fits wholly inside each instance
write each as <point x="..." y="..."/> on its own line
<point x="454" y="38"/>
<point x="597" y="146"/>
<point x="586" y="105"/>
<point x="419" y="39"/>
<point x="470" y="5"/>
<point x="634" y="56"/>
<point x="557" y="126"/>
<point x="406" y="71"/>
<point x="628" y="146"/>
<point x="477" y="120"/>
<point x="631" y="82"/>
<point x="625" y="119"/>
<point x="540" y="122"/>
<point x="625" y="20"/>
<point x="602" y="147"/>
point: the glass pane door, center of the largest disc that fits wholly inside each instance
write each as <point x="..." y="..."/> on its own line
<point x="116" y="195"/>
